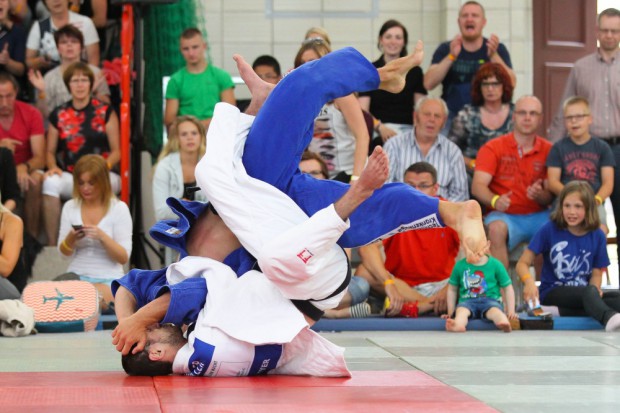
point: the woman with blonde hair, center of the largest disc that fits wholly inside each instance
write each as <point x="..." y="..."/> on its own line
<point x="340" y="133"/>
<point x="174" y="172"/>
<point x="95" y="227"/>
<point x="13" y="275"/>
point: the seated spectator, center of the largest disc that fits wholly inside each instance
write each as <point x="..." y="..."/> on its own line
<point x="416" y="277"/>
<point x="197" y="87"/>
<point x="318" y="33"/>
<point x="41" y="52"/>
<point x="394" y="111"/>
<point x="174" y="171"/>
<point x="353" y="304"/>
<point x="425" y="143"/>
<point x="95" y="228"/>
<point x="574" y="251"/>
<point x="510" y="179"/>
<point x="82" y="126"/>
<point x="479" y="288"/>
<point x="12" y="43"/>
<point x="13" y="275"/>
<point x="340" y="132"/>
<point x="488" y="116"/>
<point x="52" y="91"/>
<point x="23" y="134"/>
<point x="8" y="180"/>
<point x="580" y="157"/>
<point x="268" y="69"/>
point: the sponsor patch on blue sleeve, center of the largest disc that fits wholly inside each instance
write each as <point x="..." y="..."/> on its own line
<point x="265" y="358"/>
<point x="200" y="358"/>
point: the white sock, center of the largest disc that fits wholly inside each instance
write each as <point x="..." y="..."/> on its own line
<point x="551" y="309"/>
<point x="613" y="324"/>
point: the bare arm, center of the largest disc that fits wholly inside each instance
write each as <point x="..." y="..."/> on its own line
<point x="11" y="243"/>
<point x="113" y="133"/>
<point x="228" y="96"/>
<point x="100" y="12"/>
<point x="373" y="262"/>
<point x="365" y="103"/>
<point x="451" y="300"/>
<point x="50" y="154"/>
<point x="352" y="112"/>
<point x="171" y="111"/>
<point x="131" y="328"/>
<point x="530" y="291"/>
<point x="607" y="182"/>
<point x="553" y="177"/>
<point x="509" y="305"/>
<point x="92" y="54"/>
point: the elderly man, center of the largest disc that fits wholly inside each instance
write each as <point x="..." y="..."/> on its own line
<point x="22" y="132"/>
<point x="425" y="143"/>
<point x="455" y="62"/>
<point x="510" y="179"/>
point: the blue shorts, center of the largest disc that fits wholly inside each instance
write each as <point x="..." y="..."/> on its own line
<point x="479" y="306"/>
<point x="521" y="228"/>
<point x="359" y="289"/>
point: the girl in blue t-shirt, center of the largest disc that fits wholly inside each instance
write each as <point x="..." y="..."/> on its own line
<point x="574" y="251"/>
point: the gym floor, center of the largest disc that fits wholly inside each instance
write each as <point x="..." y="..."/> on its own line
<point x="394" y="371"/>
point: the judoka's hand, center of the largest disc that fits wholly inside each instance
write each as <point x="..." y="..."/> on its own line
<point x="128" y="332"/>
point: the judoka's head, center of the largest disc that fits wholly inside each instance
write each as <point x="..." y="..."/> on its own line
<point x="163" y="341"/>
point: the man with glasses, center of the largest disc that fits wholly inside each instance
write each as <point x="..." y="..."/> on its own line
<point x="596" y="77"/>
<point x="510" y="180"/>
<point x="426" y="143"/>
<point x="417" y="263"/>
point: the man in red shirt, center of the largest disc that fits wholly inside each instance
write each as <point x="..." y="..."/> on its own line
<point x="419" y="262"/>
<point x="21" y="131"/>
<point x="511" y="180"/>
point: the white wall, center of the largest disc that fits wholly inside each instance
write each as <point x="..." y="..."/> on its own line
<point x="255" y="27"/>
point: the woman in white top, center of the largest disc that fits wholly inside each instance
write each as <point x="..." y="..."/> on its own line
<point x="174" y="172"/>
<point x="95" y="227"/>
<point x="340" y="131"/>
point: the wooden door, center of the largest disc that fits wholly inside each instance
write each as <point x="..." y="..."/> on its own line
<point x="564" y="31"/>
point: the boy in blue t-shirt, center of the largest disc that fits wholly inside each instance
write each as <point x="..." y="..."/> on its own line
<point x="479" y="287"/>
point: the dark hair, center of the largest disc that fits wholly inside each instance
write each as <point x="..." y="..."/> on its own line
<point x="487" y="70"/>
<point x="190" y="32"/>
<point x="266" y="60"/>
<point x="71" y="32"/>
<point x="6" y="77"/>
<point x="140" y="365"/>
<point x="423" y="167"/>
<point x="319" y="46"/>
<point x="387" y="26"/>
<point x="309" y="156"/>
<point x="78" y="67"/>
<point x="610" y="12"/>
<point x="591" y="220"/>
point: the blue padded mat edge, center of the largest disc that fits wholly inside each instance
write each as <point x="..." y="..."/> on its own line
<point x="435" y="324"/>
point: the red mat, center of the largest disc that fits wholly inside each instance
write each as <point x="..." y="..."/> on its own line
<point x="397" y="391"/>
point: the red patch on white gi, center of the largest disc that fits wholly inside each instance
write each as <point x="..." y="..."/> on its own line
<point x="305" y="255"/>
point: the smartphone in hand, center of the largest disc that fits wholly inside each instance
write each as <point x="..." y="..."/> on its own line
<point x="77" y="227"/>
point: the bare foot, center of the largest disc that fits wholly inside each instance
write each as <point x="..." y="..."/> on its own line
<point x="376" y="171"/>
<point x="373" y="176"/>
<point x="258" y="87"/>
<point x="471" y="231"/>
<point x="504" y="325"/>
<point x="392" y="75"/>
<point x="452" y="326"/>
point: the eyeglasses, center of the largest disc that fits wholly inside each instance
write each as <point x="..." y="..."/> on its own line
<point x="79" y="80"/>
<point x="613" y="32"/>
<point x="532" y="113"/>
<point x="578" y="118"/>
<point x="490" y="84"/>
<point x="422" y="186"/>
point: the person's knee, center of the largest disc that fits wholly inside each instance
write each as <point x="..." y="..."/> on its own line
<point x="51" y="186"/>
<point x="498" y="232"/>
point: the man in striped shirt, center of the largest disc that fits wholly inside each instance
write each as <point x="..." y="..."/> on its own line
<point x="425" y="143"/>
